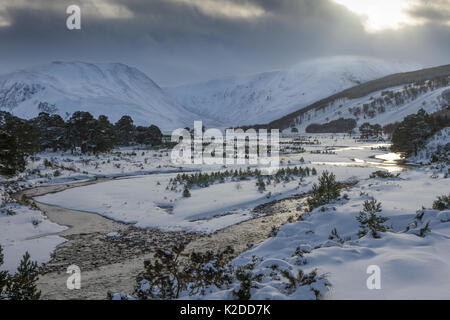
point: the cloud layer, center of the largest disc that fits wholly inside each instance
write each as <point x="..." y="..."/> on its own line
<point x="180" y="41"/>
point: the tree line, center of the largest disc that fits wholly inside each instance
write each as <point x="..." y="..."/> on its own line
<point x="411" y="135"/>
<point x="82" y="132"/>
<point x="336" y="126"/>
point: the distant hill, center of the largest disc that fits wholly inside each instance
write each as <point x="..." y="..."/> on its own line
<point x="397" y="101"/>
<point x="112" y="89"/>
<point x="264" y="97"/>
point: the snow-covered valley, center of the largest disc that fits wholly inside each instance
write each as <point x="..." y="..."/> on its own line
<point x="261" y="98"/>
<point x="412" y="266"/>
<point x="114" y="210"/>
<point x="115" y="89"/>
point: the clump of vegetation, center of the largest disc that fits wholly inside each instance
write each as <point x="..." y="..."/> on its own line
<point x="303" y="279"/>
<point x="382" y="174"/>
<point x="261" y="185"/>
<point x="412" y="133"/>
<point x="207" y="269"/>
<point x="204" y="180"/>
<point x="3" y="277"/>
<point x="244" y="274"/>
<point x="336" y="237"/>
<point x="17" y="142"/>
<point x="9" y="212"/>
<point x="326" y="191"/>
<point x="370" y="221"/>
<point x="48" y="163"/>
<point x="336" y="126"/>
<point x="424" y="230"/>
<point x="186" y="193"/>
<point x="245" y="277"/>
<point x="273" y="233"/>
<point x="442" y="203"/>
<point x="21" y="285"/>
<point x="368" y="131"/>
<point x="418" y="219"/>
<point x="167" y="275"/>
<point x="20" y="139"/>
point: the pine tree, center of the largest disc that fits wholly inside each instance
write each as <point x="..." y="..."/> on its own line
<point x="18" y="140"/>
<point x="366" y="130"/>
<point x="261" y="185"/>
<point x="335" y="236"/>
<point x="155" y="135"/>
<point x="51" y="131"/>
<point x="369" y="220"/>
<point x="104" y="136"/>
<point x="413" y="132"/>
<point x="22" y="285"/>
<point x="426" y="229"/>
<point x="442" y="203"/>
<point x="81" y="130"/>
<point x="186" y="193"/>
<point x="326" y="191"/>
<point x="141" y="135"/>
<point x="125" y="131"/>
<point x="3" y="276"/>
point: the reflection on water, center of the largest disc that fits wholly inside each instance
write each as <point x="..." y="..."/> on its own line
<point x="389" y="161"/>
<point x="390" y="157"/>
<point x="392" y="162"/>
<point x="365" y="147"/>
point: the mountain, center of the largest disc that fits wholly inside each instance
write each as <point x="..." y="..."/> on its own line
<point x="261" y="98"/>
<point x="383" y="101"/>
<point x="111" y="89"/>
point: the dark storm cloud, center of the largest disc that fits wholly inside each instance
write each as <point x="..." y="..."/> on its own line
<point x="435" y="11"/>
<point x="178" y="41"/>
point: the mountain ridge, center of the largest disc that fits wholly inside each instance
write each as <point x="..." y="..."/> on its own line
<point x="360" y="91"/>
<point x="113" y="89"/>
<point x="263" y="97"/>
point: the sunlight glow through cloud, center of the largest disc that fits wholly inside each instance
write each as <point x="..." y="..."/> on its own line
<point x="382" y="14"/>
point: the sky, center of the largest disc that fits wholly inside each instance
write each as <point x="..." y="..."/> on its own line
<point x="185" y="41"/>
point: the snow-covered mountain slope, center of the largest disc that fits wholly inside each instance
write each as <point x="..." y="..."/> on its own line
<point x="264" y="97"/>
<point x="438" y="145"/>
<point x="383" y="107"/>
<point x="111" y="89"/>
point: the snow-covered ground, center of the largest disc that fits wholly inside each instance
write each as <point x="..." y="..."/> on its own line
<point x="147" y="202"/>
<point x="412" y="267"/>
<point x="25" y="229"/>
<point x="50" y="168"/>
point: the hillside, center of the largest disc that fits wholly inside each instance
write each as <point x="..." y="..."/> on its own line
<point x="263" y="97"/>
<point x="383" y="101"/>
<point x="111" y="89"/>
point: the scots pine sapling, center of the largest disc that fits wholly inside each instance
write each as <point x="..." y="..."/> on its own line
<point x="22" y="285"/>
<point x="442" y="203"/>
<point x="426" y="229"/>
<point x="3" y="276"/>
<point x="369" y="221"/>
